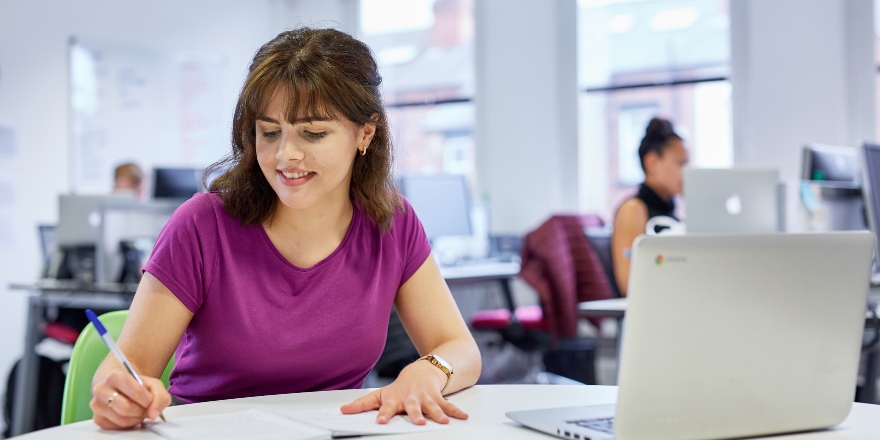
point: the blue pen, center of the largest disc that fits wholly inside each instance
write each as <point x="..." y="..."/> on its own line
<point x="111" y="344"/>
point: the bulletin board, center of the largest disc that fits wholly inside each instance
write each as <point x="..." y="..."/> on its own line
<point x="148" y="105"/>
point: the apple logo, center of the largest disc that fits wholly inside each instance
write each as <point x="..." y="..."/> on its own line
<point x="733" y="204"/>
<point x="95" y="219"/>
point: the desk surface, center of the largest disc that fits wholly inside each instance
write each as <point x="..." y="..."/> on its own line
<point x="486" y="405"/>
<point x="53" y="285"/>
<point x="604" y="308"/>
<point x="480" y="271"/>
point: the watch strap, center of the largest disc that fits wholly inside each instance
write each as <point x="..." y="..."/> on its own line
<point x="438" y="362"/>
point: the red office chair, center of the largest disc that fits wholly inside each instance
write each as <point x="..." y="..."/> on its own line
<point x="559" y="262"/>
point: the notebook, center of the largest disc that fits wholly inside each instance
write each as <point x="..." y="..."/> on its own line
<point x="271" y="424"/>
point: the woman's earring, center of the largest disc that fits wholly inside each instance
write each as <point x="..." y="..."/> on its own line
<point x="364" y="152"/>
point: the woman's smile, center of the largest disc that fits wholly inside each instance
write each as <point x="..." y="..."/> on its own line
<point x="295" y="177"/>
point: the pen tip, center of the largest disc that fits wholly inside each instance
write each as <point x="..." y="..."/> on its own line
<point x="162" y="417"/>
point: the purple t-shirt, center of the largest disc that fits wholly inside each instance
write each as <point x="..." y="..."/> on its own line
<point x="264" y="326"/>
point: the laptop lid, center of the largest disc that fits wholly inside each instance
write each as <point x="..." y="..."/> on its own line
<point x="728" y="200"/>
<point x="79" y="217"/>
<point x="734" y="336"/>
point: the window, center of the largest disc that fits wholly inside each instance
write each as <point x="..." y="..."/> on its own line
<point x="640" y="59"/>
<point x="425" y="52"/>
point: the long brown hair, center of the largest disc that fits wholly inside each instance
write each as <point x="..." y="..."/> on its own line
<point x="326" y="74"/>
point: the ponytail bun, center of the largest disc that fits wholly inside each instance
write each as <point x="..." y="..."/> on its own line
<point x="658" y="128"/>
<point x="657" y="135"/>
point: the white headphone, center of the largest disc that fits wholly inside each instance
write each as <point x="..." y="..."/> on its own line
<point x="664" y="225"/>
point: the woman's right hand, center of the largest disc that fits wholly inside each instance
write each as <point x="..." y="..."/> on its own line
<point x="120" y="402"/>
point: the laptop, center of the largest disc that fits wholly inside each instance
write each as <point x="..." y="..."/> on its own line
<point x="79" y="217"/>
<point x="728" y="200"/>
<point x="732" y="336"/>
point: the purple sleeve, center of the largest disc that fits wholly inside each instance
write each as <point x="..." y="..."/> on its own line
<point x="178" y="259"/>
<point x="410" y="237"/>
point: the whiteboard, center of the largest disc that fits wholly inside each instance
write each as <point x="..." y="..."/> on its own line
<point x="155" y="107"/>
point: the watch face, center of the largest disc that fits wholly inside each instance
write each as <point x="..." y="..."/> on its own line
<point x="443" y="363"/>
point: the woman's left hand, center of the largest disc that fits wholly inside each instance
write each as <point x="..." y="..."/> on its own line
<point x="416" y="392"/>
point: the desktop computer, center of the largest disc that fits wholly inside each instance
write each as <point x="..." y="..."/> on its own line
<point x="177" y="183"/>
<point x="870" y="163"/>
<point x="441" y="201"/>
<point x="829" y="189"/>
<point x="443" y="204"/>
<point x="829" y="163"/>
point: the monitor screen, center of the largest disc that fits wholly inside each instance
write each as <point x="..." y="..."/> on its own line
<point x="176" y="183"/>
<point x="871" y="186"/>
<point x="441" y="202"/>
<point x="829" y="163"/>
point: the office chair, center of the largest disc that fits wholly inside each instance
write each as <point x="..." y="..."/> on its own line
<point x="600" y="241"/>
<point x="88" y="353"/>
<point x="561" y="265"/>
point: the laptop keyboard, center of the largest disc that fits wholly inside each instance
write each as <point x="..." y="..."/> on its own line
<point x="602" y="425"/>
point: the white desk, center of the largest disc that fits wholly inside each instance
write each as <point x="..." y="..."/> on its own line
<point x="604" y="308"/>
<point x="480" y="271"/>
<point x="485" y="404"/>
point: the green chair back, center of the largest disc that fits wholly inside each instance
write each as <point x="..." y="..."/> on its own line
<point x="88" y="353"/>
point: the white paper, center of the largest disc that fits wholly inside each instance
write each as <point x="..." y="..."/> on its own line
<point x="360" y="424"/>
<point x="270" y="424"/>
<point x="253" y="423"/>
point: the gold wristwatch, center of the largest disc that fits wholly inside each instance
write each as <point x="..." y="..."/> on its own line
<point x="438" y="362"/>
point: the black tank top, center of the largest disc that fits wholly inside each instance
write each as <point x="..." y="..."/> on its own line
<point x="656" y="205"/>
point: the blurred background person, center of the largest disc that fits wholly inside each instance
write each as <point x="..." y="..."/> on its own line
<point x="662" y="155"/>
<point x="129" y="177"/>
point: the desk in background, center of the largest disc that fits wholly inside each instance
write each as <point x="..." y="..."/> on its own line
<point x="486" y="405"/>
<point x="501" y="272"/>
<point x="54" y="293"/>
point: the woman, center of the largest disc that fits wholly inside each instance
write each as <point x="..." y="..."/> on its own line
<point x="283" y="277"/>
<point x="662" y="155"/>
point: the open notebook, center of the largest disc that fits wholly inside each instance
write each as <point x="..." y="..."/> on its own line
<point x="270" y="424"/>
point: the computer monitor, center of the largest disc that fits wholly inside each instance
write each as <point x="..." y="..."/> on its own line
<point x="829" y="163"/>
<point x="870" y="162"/>
<point x="832" y="172"/>
<point x="441" y="202"/>
<point x="176" y="183"/>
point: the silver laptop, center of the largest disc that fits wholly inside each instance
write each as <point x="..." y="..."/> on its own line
<point x="728" y="200"/>
<point x="79" y="217"/>
<point x="732" y="336"/>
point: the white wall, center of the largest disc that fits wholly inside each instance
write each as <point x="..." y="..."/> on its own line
<point x="33" y="96"/>
<point x="803" y="73"/>
<point x="526" y="119"/>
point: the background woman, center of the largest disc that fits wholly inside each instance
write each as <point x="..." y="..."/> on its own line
<point x="662" y="154"/>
